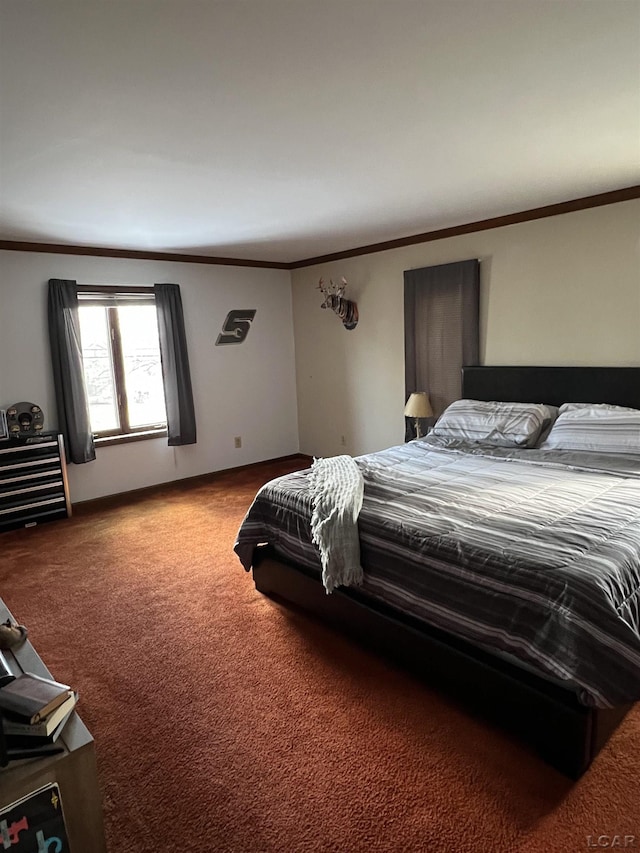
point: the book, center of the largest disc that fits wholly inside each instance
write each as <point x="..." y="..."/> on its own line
<point x="30" y="741"/>
<point x="40" y="752"/>
<point x="14" y="724"/>
<point x="38" y="819"/>
<point x="32" y="696"/>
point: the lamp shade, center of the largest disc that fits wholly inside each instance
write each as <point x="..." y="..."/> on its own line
<point x="418" y="405"/>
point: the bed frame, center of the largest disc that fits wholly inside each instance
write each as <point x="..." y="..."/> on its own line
<point x="544" y="714"/>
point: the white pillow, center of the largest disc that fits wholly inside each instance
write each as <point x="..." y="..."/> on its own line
<point x="502" y="424"/>
<point x="598" y="427"/>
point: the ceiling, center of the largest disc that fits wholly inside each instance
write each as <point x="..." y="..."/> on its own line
<point x="286" y="129"/>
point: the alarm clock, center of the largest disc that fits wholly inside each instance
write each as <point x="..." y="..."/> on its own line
<point x="24" y="419"/>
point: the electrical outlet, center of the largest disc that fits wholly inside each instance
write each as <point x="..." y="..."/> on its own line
<point x="343" y="441"/>
<point x="237" y="441"/>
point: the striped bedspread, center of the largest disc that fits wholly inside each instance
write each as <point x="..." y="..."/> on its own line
<point x="531" y="553"/>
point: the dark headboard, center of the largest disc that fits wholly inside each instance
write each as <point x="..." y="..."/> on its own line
<point x="553" y="385"/>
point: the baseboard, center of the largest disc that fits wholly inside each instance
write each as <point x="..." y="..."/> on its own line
<point x="119" y="498"/>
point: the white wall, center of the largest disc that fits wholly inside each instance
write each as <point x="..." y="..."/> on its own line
<point x="563" y="290"/>
<point x="247" y="390"/>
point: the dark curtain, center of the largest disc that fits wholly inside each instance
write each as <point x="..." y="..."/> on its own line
<point x="181" y="418"/>
<point x="68" y="373"/>
<point x="441" y="317"/>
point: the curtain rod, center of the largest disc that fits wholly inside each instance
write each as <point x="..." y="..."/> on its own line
<point x="115" y="288"/>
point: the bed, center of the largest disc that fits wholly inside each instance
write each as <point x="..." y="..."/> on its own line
<point x="544" y="668"/>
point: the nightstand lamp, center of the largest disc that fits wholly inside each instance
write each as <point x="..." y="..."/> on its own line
<point x="418" y="406"/>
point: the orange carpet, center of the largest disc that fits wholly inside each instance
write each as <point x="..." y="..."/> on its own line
<point x="226" y="722"/>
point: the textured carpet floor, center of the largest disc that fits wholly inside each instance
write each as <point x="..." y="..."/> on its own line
<point x="225" y="722"/>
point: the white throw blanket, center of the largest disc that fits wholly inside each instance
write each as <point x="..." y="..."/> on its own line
<point x="337" y="489"/>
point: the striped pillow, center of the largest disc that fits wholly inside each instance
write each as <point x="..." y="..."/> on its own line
<point x="502" y="424"/>
<point x="597" y="427"/>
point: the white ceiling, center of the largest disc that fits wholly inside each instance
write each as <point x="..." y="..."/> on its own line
<point x="285" y="129"/>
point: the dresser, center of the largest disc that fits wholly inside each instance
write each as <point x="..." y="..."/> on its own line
<point x="73" y="769"/>
<point x="33" y="481"/>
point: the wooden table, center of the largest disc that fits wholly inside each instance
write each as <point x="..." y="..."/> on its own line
<point x="74" y="769"/>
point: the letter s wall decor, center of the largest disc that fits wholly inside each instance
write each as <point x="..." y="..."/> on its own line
<point x="236" y="326"/>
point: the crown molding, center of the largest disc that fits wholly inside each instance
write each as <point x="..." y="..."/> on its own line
<point x="135" y="254"/>
<point x="584" y="203"/>
<point x="612" y="197"/>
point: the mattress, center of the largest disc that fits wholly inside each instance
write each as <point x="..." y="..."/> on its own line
<point x="530" y="553"/>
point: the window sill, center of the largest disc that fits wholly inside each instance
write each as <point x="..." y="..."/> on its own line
<point x="131" y="436"/>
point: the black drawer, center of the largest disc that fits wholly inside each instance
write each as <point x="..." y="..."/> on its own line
<point x="35" y="473"/>
<point x="11" y="454"/>
<point x="29" y="518"/>
<point x="26" y="494"/>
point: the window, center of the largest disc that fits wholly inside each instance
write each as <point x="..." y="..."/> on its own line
<point x="121" y="358"/>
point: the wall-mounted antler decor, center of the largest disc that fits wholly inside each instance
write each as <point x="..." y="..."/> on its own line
<point x="334" y="298"/>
